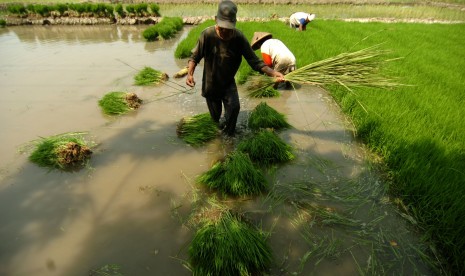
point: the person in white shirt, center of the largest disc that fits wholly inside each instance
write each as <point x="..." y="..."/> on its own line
<point x="300" y="20"/>
<point x="274" y="53"/>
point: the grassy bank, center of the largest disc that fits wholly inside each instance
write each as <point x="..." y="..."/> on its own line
<point x="447" y="11"/>
<point x="418" y="129"/>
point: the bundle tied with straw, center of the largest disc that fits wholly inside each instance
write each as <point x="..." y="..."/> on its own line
<point x="197" y="130"/>
<point x="236" y="176"/>
<point x="353" y="69"/>
<point x="148" y="76"/>
<point x="116" y="103"/>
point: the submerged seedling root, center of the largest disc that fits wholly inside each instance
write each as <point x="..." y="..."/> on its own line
<point x="133" y="101"/>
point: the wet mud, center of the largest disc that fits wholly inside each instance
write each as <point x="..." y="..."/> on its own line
<point x="327" y="213"/>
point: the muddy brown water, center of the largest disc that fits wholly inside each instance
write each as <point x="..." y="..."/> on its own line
<point x="130" y="206"/>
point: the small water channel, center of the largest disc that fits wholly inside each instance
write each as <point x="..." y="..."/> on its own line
<point x="328" y="212"/>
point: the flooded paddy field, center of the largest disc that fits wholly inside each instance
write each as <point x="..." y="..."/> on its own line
<point x="327" y="211"/>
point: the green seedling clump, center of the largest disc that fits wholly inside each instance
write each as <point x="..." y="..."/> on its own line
<point x="266" y="148"/>
<point x="64" y="151"/>
<point x="198" y="129"/>
<point x="116" y="103"/>
<point x="226" y="244"/>
<point x="264" y="116"/>
<point x="236" y="176"/>
<point x="165" y="29"/>
<point x="148" y="76"/>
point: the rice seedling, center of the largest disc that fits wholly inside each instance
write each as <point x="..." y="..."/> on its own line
<point x="226" y="244"/>
<point x="351" y="69"/>
<point x="198" y="129"/>
<point x="148" y="76"/>
<point x="236" y="176"/>
<point x="64" y="151"/>
<point x="266" y="148"/>
<point x="259" y="86"/>
<point x="116" y="103"/>
<point x="264" y="116"/>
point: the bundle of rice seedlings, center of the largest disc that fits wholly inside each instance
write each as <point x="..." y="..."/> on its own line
<point x="266" y="148"/>
<point x="259" y="86"/>
<point x="64" y="151"/>
<point x="148" y="76"/>
<point x="181" y="73"/>
<point x="264" y="116"/>
<point x="226" y="244"/>
<point x="116" y="103"/>
<point x="236" y="176"/>
<point x="198" y="129"/>
<point x="354" y="69"/>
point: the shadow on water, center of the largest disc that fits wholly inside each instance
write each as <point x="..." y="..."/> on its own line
<point x="327" y="212"/>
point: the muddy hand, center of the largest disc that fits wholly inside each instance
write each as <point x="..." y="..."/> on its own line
<point x="190" y="80"/>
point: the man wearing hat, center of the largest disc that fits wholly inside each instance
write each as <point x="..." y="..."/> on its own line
<point x="300" y="20"/>
<point x="222" y="47"/>
<point x="274" y="53"/>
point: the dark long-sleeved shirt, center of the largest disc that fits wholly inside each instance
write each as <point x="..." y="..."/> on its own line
<point x="222" y="59"/>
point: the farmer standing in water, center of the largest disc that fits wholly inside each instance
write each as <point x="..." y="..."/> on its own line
<point x="222" y="47"/>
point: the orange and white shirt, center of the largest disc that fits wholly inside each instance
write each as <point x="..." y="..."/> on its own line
<point x="277" y="56"/>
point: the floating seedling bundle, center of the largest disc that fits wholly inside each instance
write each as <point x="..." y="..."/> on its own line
<point x="266" y="148"/>
<point x="226" y="244"/>
<point x="264" y="116"/>
<point x="353" y="69"/>
<point x="198" y="129"/>
<point x="64" y="151"/>
<point x="116" y="103"/>
<point x="235" y="176"/>
<point x="148" y="76"/>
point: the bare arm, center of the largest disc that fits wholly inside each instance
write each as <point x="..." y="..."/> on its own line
<point x="190" y="73"/>
<point x="272" y="73"/>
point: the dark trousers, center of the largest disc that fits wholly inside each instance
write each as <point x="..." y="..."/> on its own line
<point x="230" y="100"/>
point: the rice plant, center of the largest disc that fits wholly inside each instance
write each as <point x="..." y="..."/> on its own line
<point x="352" y="69"/>
<point x="116" y="103"/>
<point x="165" y="29"/>
<point x="259" y="86"/>
<point x="148" y="76"/>
<point x="225" y="244"/>
<point x="235" y="176"/>
<point x="198" y="129"/>
<point x="264" y="116"/>
<point x="64" y="151"/>
<point x="266" y="148"/>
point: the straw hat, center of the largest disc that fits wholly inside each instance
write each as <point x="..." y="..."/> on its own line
<point x="258" y="38"/>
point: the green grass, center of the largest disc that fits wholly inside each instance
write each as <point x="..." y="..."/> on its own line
<point x="236" y="176"/>
<point x="417" y="129"/>
<point x="225" y="244"/>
